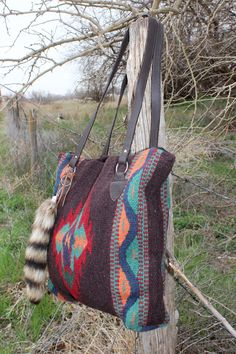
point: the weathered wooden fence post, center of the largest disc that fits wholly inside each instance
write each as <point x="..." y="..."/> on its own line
<point x="33" y="139"/>
<point x="13" y="123"/>
<point x="161" y="341"/>
<point x="14" y="112"/>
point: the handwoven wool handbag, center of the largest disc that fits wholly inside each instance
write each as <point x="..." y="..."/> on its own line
<point x="102" y="236"/>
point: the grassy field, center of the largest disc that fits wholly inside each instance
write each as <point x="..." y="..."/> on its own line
<point x="204" y="229"/>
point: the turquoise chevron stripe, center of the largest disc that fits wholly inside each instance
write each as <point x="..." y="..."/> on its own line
<point x="133" y="190"/>
<point x="132" y="318"/>
<point x="132" y="255"/>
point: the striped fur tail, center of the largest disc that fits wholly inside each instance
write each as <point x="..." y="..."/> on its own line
<point x="35" y="269"/>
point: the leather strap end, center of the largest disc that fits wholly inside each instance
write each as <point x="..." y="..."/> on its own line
<point x="116" y="189"/>
<point x="73" y="161"/>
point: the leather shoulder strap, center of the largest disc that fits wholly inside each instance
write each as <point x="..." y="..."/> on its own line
<point x="155" y="98"/>
<point x="87" y="130"/>
<point x="107" y="145"/>
<point x="156" y="89"/>
<point x="151" y="55"/>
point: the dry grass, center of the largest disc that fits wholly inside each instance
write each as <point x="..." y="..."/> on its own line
<point x="87" y="331"/>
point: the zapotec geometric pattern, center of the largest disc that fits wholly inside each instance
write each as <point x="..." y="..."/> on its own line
<point x="129" y="243"/>
<point x="110" y="254"/>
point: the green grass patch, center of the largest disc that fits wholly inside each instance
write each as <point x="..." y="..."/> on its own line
<point x="16" y="215"/>
<point x="41" y="315"/>
<point x="205" y="240"/>
<point x="201" y="113"/>
<point x="27" y="321"/>
<point x="10" y="266"/>
<point x="21" y="322"/>
<point x="5" y="303"/>
<point x="188" y="220"/>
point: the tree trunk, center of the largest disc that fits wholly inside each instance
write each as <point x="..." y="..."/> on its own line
<point x="161" y="341"/>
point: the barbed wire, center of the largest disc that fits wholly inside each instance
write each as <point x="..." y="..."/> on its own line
<point x="40" y="112"/>
<point x="206" y="189"/>
<point x="49" y="119"/>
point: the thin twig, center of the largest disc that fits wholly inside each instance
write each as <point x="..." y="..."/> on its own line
<point x="174" y="269"/>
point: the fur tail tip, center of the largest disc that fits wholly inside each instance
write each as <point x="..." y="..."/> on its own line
<point x="35" y="270"/>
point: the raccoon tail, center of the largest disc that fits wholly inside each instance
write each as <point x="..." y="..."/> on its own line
<point x="35" y="269"/>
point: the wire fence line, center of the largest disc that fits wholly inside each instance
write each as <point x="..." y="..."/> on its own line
<point x="47" y="118"/>
<point x="43" y="115"/>
<point x="206" y="189"/>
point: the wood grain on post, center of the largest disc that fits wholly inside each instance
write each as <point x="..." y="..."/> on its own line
<point x="15" y="113"/>
<point x="33" y="139"/>
<point x="161" y="341"/>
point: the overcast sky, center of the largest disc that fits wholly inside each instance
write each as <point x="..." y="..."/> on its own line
<point x="62" y="80"/>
